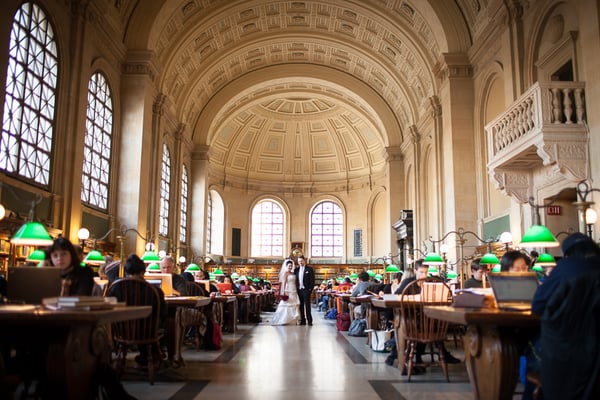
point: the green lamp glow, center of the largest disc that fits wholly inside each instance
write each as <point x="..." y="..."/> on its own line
<point x="391" y="269"/>
<point x="150" y="256"/>
<point x="451" y="274"/>
<point x="489" y="259"/>
<point x="153" y="268"/>
<point x="353" y="276"/>
<point x="537" y="268"/>
<point x="378" y="277"/>
<point x="36" y="256"/>
<point x="496" y="268"/>
<point x="192" y="268"/>
<point x="539" y="236"/>
<point x="32" y="234"/>
<point x="339" y="279"/>
<point x="433" y="259"/>
<point x="94" y="257"/>
<point x="218" y="272"/>
<point x="371" y="273"/>
<point x="545" y="260"/>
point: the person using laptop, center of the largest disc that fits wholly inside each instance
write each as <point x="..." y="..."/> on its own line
<point x="515" y="261"/>
<point x="477" y="272"/>
<point x="581" y="255"/>
<point x="77" y="280"/>
<point x="167" y="266"/>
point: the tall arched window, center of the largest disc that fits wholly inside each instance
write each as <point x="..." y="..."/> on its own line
<point x="327" y="230"/>
<point x="215" y="223"/>
<point x="97" y="145"/>
<point x="165" y="191"/>
<point x="268" y="223"/>
<point x="30" y="99"/>
<point x="183" y="212"/>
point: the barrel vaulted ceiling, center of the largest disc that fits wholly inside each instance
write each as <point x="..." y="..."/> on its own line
<point x="297" y="91"/>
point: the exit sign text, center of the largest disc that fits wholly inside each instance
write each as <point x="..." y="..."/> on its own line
<point x="554" y="210"/>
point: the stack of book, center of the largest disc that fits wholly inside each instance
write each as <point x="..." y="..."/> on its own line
<point x="83" y="303"/>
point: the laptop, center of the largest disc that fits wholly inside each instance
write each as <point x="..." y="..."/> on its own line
<point x="513" y="291"/>
<point x="30" y="285"/>
<point x="162" y="281"/>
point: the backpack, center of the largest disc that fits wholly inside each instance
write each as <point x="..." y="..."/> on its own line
<point x="331" y="314"/>
<point x="343" y="321"/>
<point x="357" y="327"/>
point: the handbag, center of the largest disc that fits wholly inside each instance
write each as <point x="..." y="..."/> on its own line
<point x="284" y="296"/>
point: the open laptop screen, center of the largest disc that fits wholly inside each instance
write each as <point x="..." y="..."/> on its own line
<point x="513" y="287"/>
<point x="31" y="284"/>
<point x="163" y="281"/>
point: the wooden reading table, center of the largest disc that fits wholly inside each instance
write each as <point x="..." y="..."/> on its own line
<point x="75" y="343"/>
<point x="491" y="346"/>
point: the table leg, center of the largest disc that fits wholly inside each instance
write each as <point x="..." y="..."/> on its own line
<point x="399" y="335"/>
<point x="492" y="362"/>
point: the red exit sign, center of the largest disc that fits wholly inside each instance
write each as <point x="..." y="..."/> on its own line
<point x="554" y="210"/>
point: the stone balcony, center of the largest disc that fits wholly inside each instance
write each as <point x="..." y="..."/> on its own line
<point x="543" y="133"/>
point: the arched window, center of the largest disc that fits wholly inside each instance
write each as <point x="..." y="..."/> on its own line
<point x="97" y="145"/>
<point x="327" y="230"/>
<point x="215" y="223"/>
<point x="165" y="190"/>
<point x="30" y="99"/>
<point x="267" y="229"/>
<point x="183" y="212"/>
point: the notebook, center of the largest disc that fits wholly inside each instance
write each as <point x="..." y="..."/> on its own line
<point x="513" y="291"/>
<point x="31" y="284"/>
<point x="162" y="281"/>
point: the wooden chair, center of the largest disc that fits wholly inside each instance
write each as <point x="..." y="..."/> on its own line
<point x="138" y="332"/>
<point x="186" y="318"/>
<point x="418" y="328"/>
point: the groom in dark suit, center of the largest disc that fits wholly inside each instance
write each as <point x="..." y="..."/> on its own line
<point x="305" y="276"/>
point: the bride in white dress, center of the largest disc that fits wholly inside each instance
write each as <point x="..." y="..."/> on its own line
<point x="288" y="311"/>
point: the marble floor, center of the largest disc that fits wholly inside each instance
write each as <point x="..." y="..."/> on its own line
<point x="261" y="361"/>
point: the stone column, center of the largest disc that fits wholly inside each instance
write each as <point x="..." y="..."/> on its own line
<point x="198" y="182"/>
<point x="137" y="149"/>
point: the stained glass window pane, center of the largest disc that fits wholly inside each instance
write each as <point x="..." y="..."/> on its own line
<point x="327" y="230"/>
<point x="29" y="102"/>
<point x="165" y="190"/>
<point x="267" y="229"/>
<point x="183" y="215"/>
<point x="97" y="146"/>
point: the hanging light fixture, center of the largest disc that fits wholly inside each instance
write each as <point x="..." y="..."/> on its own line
<point x="539" y="236"/>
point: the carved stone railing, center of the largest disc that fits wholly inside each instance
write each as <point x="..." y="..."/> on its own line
<point x="545" y="127"/>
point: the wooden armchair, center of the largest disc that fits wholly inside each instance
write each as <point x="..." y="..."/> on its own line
<point x="188" y="317"/>
<point x="138" y="332"/>
<point x="418" y="328"/>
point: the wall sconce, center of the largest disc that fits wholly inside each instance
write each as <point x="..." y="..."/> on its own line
<point x="591" y="216"/>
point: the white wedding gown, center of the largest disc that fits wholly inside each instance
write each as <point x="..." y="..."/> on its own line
<point x="288" y="312"/>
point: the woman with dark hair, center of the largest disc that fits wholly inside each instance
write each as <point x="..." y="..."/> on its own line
<point x="515" y="261"/>
<point x="77" y="280"/>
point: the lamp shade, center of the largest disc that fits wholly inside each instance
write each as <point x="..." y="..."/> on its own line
<point x="539" y="236"/>
<point x="150" y="256"/>
<point x="235" y="275"/>
<point x="36" y="256"/>
<point x="378" y="277"/>
<point x="32" y="234"/>
<point x="451" y="274"/>
<point x="192" y="268"/>
<point x="153" y="268"/>
<point x="371" y="273"/>
<point x="496" y="268"/>
<point x="391" y="268"/>
<point x="545" y="260"/>
<point x="94" y="257"/>
<point x="353" y="276"/>
<point x="433" y="259"/>
<point x="432" y="269"/>
<point x="218" y="272"/>
<point x="537" y="268"/>
<point x="489" y="259"/>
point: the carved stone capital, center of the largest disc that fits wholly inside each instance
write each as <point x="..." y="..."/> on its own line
<point x="140" y="62"/>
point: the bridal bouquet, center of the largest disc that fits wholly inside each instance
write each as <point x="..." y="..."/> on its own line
<point x="284" y="297"/>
